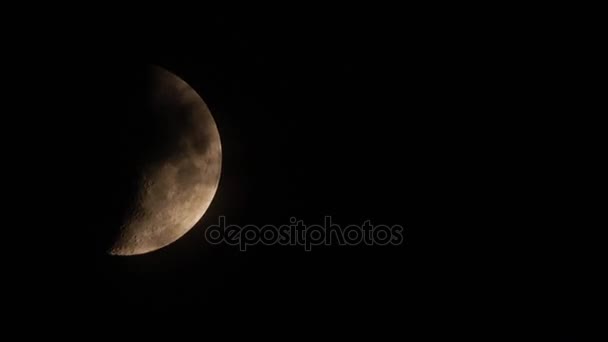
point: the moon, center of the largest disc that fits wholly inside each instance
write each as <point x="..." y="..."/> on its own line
<point x="178" y="158"/>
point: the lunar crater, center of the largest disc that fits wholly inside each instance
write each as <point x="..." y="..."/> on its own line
<point x="178" y="155"/>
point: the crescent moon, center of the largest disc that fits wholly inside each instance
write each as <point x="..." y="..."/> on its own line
<point x="176" y="185"/>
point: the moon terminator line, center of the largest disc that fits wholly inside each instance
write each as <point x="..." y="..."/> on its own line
<point x="177" y="181"/>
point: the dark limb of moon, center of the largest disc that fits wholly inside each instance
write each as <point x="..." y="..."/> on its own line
<point x="173" y="153"/>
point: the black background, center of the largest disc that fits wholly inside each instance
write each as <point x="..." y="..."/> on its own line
<point x="422" y="121"/>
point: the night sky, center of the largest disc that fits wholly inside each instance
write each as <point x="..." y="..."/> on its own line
<point x="360" y="117"/>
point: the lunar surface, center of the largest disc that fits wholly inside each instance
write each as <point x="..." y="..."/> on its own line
<point x="178" y="165"/>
